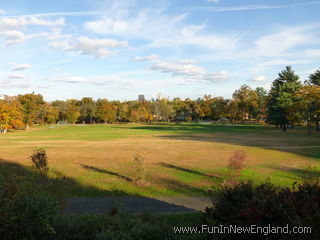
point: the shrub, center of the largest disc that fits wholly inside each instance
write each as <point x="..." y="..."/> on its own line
<point x="139" y="169"/>
<point x="122" y="226"/>
<point x="247" y="204"/>
<point x="40" y="160"/>
<point x="26" y="214"/>
<point x="236" y="161"/>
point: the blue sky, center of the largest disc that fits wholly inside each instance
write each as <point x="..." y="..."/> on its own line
<point x="180" y="48"/>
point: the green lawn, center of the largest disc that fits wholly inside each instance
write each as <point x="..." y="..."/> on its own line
<point x="180" y="159"/>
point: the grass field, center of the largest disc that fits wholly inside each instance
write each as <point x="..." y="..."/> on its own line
<point x="180" y="159"/>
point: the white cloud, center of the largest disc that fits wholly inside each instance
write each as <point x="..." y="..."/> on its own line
<point x="255" y="7"/>
<point x="152" y="57"/>
<point x="160" y="30"/>
<point x="21" y="67"/>
<point x="13" y="36"/>
<point x="90" y="46"/>
<point x="10" y="84"/>
<point x="259" y="79"/>
<point x="10" y="23"/>
<point x="12" y="29"/>
<point x="74" y="80"/>
<point x="178" y="69"/>
<point x="16" y="76"/>
<point x="2" y="11"/>
<point x="187" y="61"/>
<point x="285" y="39"/>
<point x="184" y="69"/>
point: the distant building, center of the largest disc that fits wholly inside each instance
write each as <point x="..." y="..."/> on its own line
<point x="141" y="98"/>
<point x="2" y="97"/>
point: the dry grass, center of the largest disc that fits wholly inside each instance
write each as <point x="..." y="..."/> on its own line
<point x="196" y="160"/>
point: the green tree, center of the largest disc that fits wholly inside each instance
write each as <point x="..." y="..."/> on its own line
<point x="87" y="109"/>
<point x="247" y="101"/>
<point x="309" y="104"/>
<point x="314" y="78"/>
<point x="106" y="111"/>
<point x="262" y="103"/>
<point x="72" y="111"/>
<point x="31" y="103"/>
<point x="282" y="98"/>
<point x="48" y="113"/>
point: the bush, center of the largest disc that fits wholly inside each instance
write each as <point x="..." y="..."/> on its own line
<point x="237" y="160"/>
<point x="246" y="204"/>
<point x="25" y="214"/>
<point x="40" y="160"/>
<point x="122" y="226"/>
<point x="139" y="169"/>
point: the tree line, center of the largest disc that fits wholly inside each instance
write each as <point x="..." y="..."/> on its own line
<point x="288" y="103"/>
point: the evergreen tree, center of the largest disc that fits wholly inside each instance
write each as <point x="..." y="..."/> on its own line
<point x="314" y="78"/>
<point x="282" y="99"/>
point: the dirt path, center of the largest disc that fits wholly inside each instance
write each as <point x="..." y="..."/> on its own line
<point x="98" y="205"/>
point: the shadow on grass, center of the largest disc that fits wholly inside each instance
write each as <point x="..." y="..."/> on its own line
<point x="79" y="199"/>
<point x="57" y="184"/>
<point x="176" y="186"/>
<point x="306" y="174"/>
<point x="162" y="164"/>
<point x="106" y="172"/>
<point x="194" y="128"/>
<point x="300" y="144"/>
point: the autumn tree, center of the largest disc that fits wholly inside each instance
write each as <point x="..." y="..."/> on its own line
<point x="179" y="108"/>
<point x="106" y="111"/>
<point x="163" y="109"/>
<point x="246" y="101"/>
<point x="123" y="112"/>
<point x="11" y="115"/>
<point x="72" y="111"/>
<point x="87" y="109"/>
<point x="262" y="98"/>
<point x="31" y="103"/>
<point x="309" y="104"/>
<point x="282" y="98"/>
<point x="219" y="108"/>
<point x="48" y="113"/>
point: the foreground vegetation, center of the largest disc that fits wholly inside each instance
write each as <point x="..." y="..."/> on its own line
<point x="35" y="215"/>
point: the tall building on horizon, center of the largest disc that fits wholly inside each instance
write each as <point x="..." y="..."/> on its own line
<point x="141" y="98"/>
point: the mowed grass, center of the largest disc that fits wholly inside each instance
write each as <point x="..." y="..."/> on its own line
<point x="180" y="159"/>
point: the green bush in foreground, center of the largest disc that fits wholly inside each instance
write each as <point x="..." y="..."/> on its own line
<point x="26" y="214"/>
<point x="246" y="204"/>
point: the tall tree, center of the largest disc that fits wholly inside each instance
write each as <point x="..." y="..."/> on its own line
<point x="31" y="103"/>
<point x="11" y="115"/>
<point x="309" y="104"/>
<point x="72" y="111"/>
<point x="282" y="98"/>
<point x="246" y="100"/>
<point x="314" y="78"/>
<point x="262" y="103"/>
<point x="87" y="109"/>
<point x="106" y="111"/>
<point x="48" y="113"/>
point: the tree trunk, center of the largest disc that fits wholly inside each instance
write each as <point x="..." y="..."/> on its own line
<point x="318" y="127"/>
<point x="284" y="129"/>
<point x="309" y="126"/>
<point x="27" y="127"/>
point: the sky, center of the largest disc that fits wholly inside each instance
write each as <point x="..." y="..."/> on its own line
<point x="117" y="50"/>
